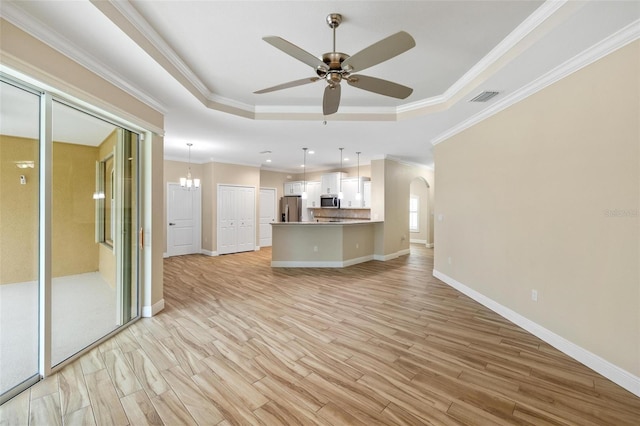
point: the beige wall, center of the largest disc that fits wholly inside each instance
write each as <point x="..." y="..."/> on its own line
<point x="390" y="183"/>
<point x="269" y="179"/>
<point x="18" y="211"/>
<point x="365" y="170"/>
<point x="545" y="195"/>
<point x="73" y="216"/>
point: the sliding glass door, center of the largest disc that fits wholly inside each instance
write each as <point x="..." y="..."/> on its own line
<point x="93" y="232"/>
<point x="19" y="208"/>
<point x="68" y="240"/>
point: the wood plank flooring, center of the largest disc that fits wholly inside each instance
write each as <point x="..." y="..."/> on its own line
<point x="379" y="343"/>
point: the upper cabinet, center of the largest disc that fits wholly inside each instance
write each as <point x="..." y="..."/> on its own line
<point x="293" y="188"/>
<point x="366" y="194"/>
<point x="351" y="187"/>
<point x="330" y="183"/>
<point x="313" y="194"/>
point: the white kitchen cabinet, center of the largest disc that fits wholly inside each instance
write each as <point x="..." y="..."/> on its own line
<point x="293" y="188"/>
<point x="313" y="194"/>
<point x="366" y="194"/>
<point x="350" y="188"/>
<point x="330" y="183"/>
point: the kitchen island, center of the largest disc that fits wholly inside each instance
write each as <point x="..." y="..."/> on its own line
<point x="333" y="244"/>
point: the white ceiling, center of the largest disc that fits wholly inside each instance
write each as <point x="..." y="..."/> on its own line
<point x="199" y="62"/>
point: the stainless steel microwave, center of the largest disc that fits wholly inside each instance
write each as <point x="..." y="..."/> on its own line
<point x="329" y="202"/>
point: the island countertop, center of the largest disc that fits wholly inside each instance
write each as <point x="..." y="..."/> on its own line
<point x="327" y="222"/>
<point x="323" y="244"/>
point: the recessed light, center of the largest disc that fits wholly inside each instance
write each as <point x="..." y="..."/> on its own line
<point x="346" y="159"/>
<point x="311" y="152"/>
<point x="268" y="160"/>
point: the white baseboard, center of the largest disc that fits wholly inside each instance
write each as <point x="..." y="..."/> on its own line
<point x="429" y="245"/>
<point x="385" y="257"/>
<point x="415" y="241"/>
<point x="165" y="255"/>
<point x="149" y="311"/>
<point x="614" y="373"/>
<point x="209" y="253"/>
<point x="320" y="264"/>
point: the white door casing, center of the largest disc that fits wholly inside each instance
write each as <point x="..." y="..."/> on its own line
<point x="267" y="215"/>
<point x="183" y="220"/>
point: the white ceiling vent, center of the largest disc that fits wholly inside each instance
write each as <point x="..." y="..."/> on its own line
<point x="484" y="96"/>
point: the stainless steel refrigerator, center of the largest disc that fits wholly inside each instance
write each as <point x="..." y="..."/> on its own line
<point x="290" y="209"/>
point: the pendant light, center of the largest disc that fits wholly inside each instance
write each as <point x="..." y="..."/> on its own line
<point x="358" y="194"/>
<point x="340" y="194"/>
<point x="188" y="181"/>
<point x="304" y="165"/>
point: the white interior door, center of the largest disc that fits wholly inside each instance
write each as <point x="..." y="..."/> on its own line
<point x="267" y="215"/>
<point x="247" y="219"/>
<point x="184" y="217"/>
<point x="227" y="219"/>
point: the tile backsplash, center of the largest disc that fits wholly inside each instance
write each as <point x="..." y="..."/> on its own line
<point x="343" y="214"/>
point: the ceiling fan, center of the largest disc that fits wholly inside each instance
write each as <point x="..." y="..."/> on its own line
<point x="335" y="67"/>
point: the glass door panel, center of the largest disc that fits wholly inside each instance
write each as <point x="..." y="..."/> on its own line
<point x="19" y="225"/>
<point x="94" y="219"/>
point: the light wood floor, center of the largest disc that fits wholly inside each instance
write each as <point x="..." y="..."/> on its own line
<point x="376" y="343"/>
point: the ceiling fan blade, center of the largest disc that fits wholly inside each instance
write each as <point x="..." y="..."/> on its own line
<point x="288" y="85"/>
<point x="331" y="100"/>
<point x="293" y="50"/>
<point x="380" y="86"/>
<point x="379" y="52"/>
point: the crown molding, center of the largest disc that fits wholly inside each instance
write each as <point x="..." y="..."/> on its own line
<point x="599" y="50"/>
<point x="407" y="163"/>
<point x="261" y="112"/>
<point x="161" y="46"/>
<point x="46" y="35"/>
<point x="540" y="15"/>
<point x="187" y="77"/>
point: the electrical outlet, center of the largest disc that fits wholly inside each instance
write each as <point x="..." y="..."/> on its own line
<point x="315" y="249"/>
<point x="357" y="245"/>
<point x="450" y="261"/>
<point x="534" y="295"/>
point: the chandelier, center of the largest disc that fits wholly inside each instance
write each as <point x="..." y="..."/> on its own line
<point x="188" y="182"/>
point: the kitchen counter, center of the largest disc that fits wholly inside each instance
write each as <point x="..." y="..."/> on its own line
<point x="329" y="222"/>
<point x="323" y="244"/>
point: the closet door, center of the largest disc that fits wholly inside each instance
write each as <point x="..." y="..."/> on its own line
<point x="227" y="219"/>
<point x="246" y="219"/>
<point x="236" y="219"/>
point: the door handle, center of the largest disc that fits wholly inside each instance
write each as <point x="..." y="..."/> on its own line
<point x="171" y="224"/>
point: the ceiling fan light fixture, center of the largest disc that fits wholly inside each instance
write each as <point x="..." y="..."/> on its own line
<point x="336" y="66"/>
